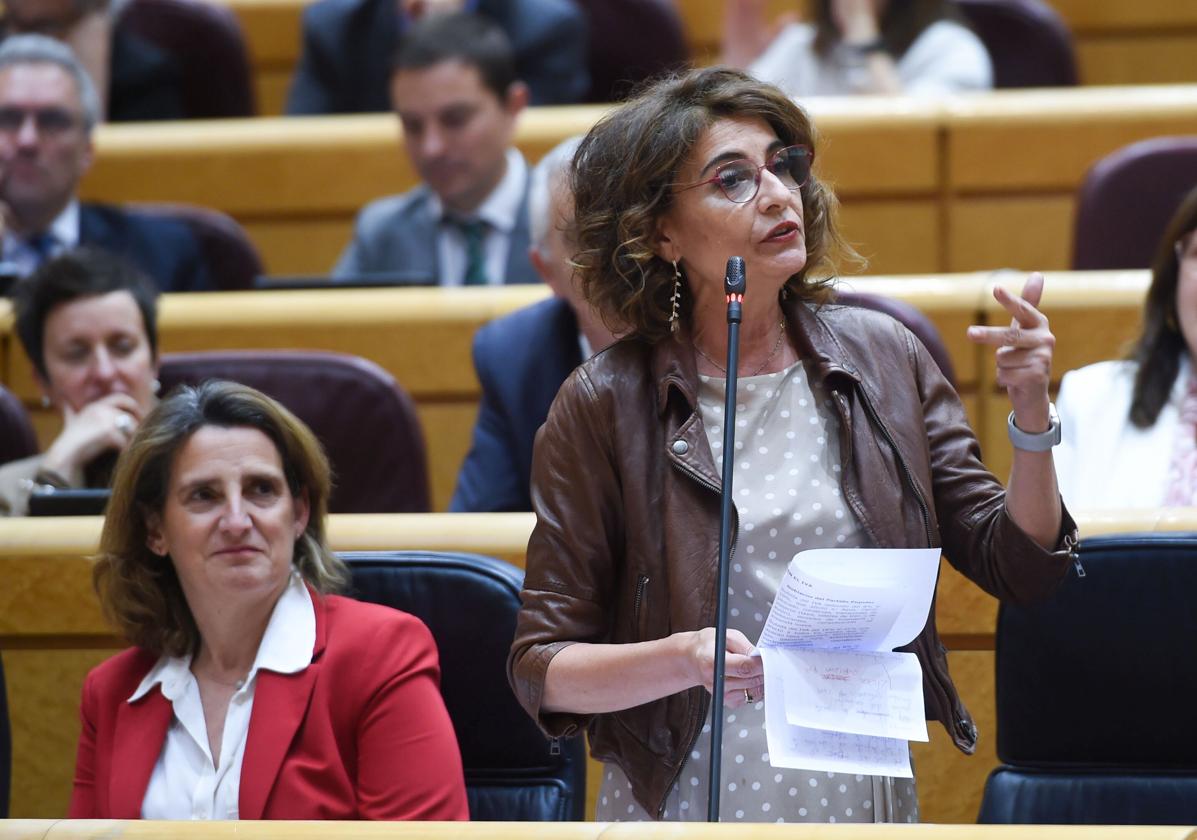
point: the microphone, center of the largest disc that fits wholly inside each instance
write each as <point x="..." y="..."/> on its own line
<point x="734" y="284"/>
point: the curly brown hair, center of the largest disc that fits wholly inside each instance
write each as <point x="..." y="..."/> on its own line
<point x="139" y="591"/>
<point x="622" y="177"/>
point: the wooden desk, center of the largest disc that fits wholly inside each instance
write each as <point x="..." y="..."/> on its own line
<point x="296" y="184"/>
<point x="52" y="633"/>
<point x="422" y="337"/>
<point x="104" y="829"/>
<point x="1014" y="161"/>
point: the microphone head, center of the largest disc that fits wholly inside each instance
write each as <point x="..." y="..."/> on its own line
<point x="734" y="282"/>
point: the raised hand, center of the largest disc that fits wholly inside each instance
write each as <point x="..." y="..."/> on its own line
<point x="1024" y="354"/>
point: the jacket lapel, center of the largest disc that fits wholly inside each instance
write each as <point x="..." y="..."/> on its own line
<point x="280" y="706"/>
<point x="137" y="742"/>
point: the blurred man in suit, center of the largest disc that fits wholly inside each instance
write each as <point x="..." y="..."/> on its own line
<point x="522" y="358"/>
<point x="458" y="98"/>
<point x="48" y="108"/>
<point x="348" y="46"/>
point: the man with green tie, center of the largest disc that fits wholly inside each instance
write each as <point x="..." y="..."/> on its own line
<point x="455" y="92"/>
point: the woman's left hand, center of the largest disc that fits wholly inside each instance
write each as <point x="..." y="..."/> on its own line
<point x="1024" y="355"/>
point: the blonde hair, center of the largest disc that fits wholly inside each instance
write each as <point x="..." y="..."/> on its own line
<point x="139" y="591"/>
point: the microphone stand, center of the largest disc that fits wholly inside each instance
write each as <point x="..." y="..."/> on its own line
<point x="734" y="285"/>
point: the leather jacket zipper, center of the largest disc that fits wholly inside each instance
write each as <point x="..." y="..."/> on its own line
<point x="918" y="493"/>
<point x="641" y="585"/>
<point x="966" y="731"/>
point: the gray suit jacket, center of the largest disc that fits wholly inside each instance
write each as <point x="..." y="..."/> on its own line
<point x="395" y="238"/>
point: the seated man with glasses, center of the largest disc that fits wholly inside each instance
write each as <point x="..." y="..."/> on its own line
<point x="48" y="108"/>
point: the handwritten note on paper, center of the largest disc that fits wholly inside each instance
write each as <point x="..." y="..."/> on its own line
<point x="839" y="698"/>
<point x="804" y="748"/>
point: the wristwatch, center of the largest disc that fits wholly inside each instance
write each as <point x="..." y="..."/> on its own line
<point x="866" y="47"/>
<point x="1040" y="442"/>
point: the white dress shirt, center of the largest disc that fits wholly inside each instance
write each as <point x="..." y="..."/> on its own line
<point x="23" y="259"/>
<point x="945" y="58"/>
<point x="185" y="783"/>
<point x="500" y="211"/>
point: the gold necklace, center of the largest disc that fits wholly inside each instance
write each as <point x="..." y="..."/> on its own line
<point x="781" y="331"/>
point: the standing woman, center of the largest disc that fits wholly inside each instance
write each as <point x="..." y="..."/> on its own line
<point x="915" y="47"/>
<point x="847" y="435"/>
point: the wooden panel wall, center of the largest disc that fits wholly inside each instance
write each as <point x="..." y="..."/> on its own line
<point x="51" y="633"/>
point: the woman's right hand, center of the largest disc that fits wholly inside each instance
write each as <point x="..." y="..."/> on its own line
<point x="741" y="670"/>
<point x="108" y="423"/>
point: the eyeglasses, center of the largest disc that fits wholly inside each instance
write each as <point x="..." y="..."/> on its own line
<point x="48" y="120"/>
<point x="741" y="179"/>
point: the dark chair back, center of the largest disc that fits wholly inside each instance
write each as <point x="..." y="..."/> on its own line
<point x="1028" y="43"/>
<point x="17" y="438"/>
<point x="5" y="747"/>
<point x="912" y="319"/>
<point x="1126" y="200"/>
<point x="1095" y="691"/>
<point x="232" y="259"/>
<point x="469" y="602"/>
<point x="366" y="422"/>
<point x="206" y="41"/>
<point x="631" y="41"/>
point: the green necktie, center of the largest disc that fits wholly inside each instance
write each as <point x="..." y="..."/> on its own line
<point x="475" y="234"/>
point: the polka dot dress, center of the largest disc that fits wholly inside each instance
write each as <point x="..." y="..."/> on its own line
<point x="787" y="495"/>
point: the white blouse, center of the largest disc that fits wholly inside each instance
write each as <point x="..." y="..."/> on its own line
<point x="945" y="58"/>
<point x="185" y="784"/>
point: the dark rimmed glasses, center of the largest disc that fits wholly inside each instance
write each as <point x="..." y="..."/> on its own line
<point x="51" y="120"/>
<point x="741" y="179"/>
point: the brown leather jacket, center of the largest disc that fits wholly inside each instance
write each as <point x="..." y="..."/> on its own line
<point x="626" y="494"/>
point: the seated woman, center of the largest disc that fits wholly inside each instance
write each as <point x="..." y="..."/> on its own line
<point x="917" y="47"/>
<point x="848" y="436"/>
<point x="250" y="692"/>
<point x="1130" y="426"/>
<point x="88" y="322"/>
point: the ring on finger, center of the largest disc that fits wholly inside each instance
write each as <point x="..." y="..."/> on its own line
<point x="124" y="423"/>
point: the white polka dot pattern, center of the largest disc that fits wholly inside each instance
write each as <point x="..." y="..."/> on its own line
<point x="787" y="500"/>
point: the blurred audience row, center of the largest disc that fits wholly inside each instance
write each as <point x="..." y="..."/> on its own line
<point x="173" y="59"/>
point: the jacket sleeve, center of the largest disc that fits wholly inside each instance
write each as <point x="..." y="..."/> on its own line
<point x="490" y="477"/>
<point x="314" y="81"/>
<point x="409" y="764"/>
<point x="551" y="53"/>
<point x="83" y="794"/>
<point x="575" y="548"/>
<point x="979" y="537"/>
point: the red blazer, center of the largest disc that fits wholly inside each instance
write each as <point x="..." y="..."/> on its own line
<point x="361" y="733"/>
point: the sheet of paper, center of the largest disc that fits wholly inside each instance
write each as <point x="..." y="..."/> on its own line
<point x="907" y="576"/>
<point x="860" y="693"/>
<point x="825" y="750"/>
<point x="812" y="613"/>
<point x="837" y="697"/>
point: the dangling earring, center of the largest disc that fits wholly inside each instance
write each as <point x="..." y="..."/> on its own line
<point x="676" y="300"/>
<point x="155" y="386"/>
